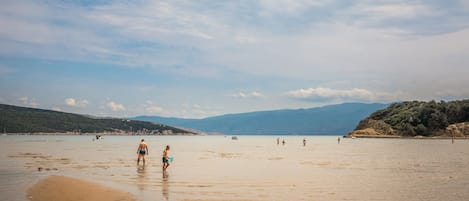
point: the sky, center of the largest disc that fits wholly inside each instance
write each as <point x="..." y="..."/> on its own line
<point x="195" y="59"/>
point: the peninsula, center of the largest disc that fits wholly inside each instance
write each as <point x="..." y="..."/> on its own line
<point x="417" y="119"/>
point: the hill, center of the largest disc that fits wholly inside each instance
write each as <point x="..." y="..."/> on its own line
<point x="14" y="119"/>
<point x="328" y="120"/>
<point x="418" y="118"/>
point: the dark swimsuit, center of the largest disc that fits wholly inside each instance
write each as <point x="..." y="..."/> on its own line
<point x="142" y="152"/>
<point x="165" y="160"/>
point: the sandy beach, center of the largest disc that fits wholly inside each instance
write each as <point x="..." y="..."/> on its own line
<point x="61" y="188"/>
<point x="219" y="168"/>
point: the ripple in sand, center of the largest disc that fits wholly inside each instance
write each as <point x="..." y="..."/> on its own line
<point x="275" y="158"/>
<point x="30" y="155"/>
<point x="230" y="155"/>
<point x="325" y="164"/>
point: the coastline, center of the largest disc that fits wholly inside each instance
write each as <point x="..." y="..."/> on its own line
<point x="407" y="137"/>
<point x="59" y="188"/>
<point x="105" y="134"/>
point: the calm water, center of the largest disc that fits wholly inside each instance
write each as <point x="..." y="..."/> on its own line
<point x="250" y="168"/>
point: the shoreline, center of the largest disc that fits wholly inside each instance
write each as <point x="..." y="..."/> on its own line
<point x="408" y="137"/>
<point x="104" y="134"/>
<point x="59" y="188"/>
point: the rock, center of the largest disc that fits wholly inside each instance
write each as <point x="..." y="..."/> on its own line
<point x="457" y="130"/>
<point x="365" y="132"/>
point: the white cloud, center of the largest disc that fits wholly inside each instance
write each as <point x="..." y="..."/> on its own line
<point x="288" y="7"/>
<point x="70" y="101"/>
<point x="30" y="102"/>
<point x="74" y="103"/>
<point x="154" y="109"/>
<point x="115" y="107"/>
<point x="55" y="108"/>
<point x="394" y="10"/>
<point x="195" y="111"/>
<point x="321" y="94"/>
<point x="253" y="94"/>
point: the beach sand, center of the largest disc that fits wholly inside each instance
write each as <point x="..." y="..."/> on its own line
<point x="255" y="168"/>
<point x="62" y="188"/>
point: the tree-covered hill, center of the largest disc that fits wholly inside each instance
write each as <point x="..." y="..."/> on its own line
<point x="14" y="119"/>
<point x="413" y="118"/>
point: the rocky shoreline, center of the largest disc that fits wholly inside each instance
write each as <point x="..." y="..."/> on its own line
<point x="453" y="131"/>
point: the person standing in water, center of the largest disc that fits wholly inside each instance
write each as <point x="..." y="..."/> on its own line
<point x="165" y="158"/>
<point x="142" y="150"/>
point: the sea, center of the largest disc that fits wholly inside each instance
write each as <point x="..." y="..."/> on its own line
<point x="247" y="168"/>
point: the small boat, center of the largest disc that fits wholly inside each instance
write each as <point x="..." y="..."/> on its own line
<point x="234" y="138"/>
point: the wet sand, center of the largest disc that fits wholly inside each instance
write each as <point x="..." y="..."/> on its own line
<point x="209" y="168"/>
<point x="60" y="188"/>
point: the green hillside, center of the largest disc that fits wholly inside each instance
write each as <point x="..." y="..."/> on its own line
<point x="14" y="119"/>
<point x="413" y="118"/>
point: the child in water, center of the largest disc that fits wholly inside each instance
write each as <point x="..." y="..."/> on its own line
<point x="165" y="158"/>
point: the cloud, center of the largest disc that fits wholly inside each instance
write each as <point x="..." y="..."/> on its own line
<point x="196" y="111"/>
<point x="394" y="10"/>
<point x="30" y="102"/>
<point x="115" y="107"/>
<point x="418" y="47"/>
<point x="153" y="108"/>
<point x="253" y="94"/>
<point x="268" y="8"/>
<point x="55" y="108"/>
<point x="321" y="94"/>
<point x="73" y="103"/>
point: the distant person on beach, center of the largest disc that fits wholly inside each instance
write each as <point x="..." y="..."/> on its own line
<point x="142" y="150"/>
<point x="338" y="140"/>
<point x="278" y="141"/>
<point x="165" y="158"/>
<point x="304" y="142"/>
<point x="283" y="142"/>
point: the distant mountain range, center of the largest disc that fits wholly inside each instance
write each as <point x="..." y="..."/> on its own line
<point x="328" y="120"/>
<point x="14" y="119"/>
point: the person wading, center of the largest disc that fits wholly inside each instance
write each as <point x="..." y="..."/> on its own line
<point x="142" y="150"/>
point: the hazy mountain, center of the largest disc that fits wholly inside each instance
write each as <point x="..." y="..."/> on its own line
<point x="328" y="120"/>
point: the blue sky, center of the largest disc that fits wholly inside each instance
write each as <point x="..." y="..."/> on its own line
<point x="197" y="59"/>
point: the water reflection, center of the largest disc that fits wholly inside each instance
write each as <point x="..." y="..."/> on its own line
<point x="165" y="185"/>
<point x="141" y="177"/>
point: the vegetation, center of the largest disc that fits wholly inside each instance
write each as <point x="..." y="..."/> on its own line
<point x="15" y="119"/>
<point x="417" y="118"/>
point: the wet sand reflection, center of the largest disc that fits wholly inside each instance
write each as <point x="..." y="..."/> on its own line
<point x="165" y="185"/>
<point x="141" y="177"/>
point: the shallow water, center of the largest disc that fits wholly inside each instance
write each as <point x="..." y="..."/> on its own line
<point x="250" y="168"/>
